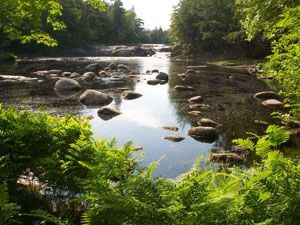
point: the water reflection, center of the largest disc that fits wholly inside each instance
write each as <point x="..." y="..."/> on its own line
<point x="228" y="94"/>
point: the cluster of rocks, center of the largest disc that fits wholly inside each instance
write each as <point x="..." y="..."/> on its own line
<point x="161" y="78"/>
<point x="95" y="72"/>
<point x="173" y="138"/>
<point x="269" y="99"/>
<point x="104" y="50"/>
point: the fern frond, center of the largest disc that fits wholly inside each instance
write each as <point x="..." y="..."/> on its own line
<point x="244" y="143"/>
<point x="263" y="147"/>
<point x="277" y="135"/>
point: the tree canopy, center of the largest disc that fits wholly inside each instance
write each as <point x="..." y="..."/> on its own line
<point x="23" y="19"/>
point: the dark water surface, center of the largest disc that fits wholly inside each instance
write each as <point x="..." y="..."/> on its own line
<point x="227" y="92"/>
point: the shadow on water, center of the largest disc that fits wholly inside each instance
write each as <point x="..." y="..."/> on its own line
<point x="227" y="92"/>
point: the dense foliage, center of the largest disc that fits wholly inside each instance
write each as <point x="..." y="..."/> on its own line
<point x="70" y="24"/>
<point x="72" y="178"/>
<point x="212" y="26"/>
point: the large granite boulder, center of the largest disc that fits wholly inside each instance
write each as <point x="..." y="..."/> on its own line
<point x="93" y="97"/>
<point x="65" y="84"/>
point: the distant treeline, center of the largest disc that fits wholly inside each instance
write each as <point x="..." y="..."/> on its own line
<point x="213" y="26"/>
<point x="86" y="25"/>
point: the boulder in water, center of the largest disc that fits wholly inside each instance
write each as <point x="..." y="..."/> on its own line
<point x="93" y="97"/>
<point x="107" y="113"/>
<point x="162" y="76"/>
<point x="88" y="76"/>
<point x="264" y="95"/>
<point x="94" y="67"/>
<point x="129" y="95"/>
<point x="65" y="84"/>
<point x="203" y="134"/>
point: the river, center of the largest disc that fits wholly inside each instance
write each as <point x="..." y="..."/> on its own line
<point x="228" y="94"/>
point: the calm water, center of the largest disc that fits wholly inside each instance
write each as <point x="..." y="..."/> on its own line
<point x="228" y="93"/>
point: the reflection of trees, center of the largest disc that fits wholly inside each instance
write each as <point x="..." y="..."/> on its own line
<point x="230" y="100"/>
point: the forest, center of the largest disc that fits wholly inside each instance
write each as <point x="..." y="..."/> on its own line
<point x="78" y="24"/>
<point x="74" y="178"/>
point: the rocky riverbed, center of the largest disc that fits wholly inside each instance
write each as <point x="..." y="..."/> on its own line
<point x="177" y="109"/>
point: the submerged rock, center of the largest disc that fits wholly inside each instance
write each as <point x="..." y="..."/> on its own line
<point x="183" y="88"/>
<point x="153" y="82"/>
<point x="174" y="138"/>
<point x="264" y="95"/>
<point x="66" y="84"/>
<point x="66" y="94"/>
<point x="155" y="71"/>
<point x="203" y="134"/>
<point x="171" y="128"/>
<point x="129" y="95"/>
<point x="272" y="103"/>
<point x="196" y="99"/>
<point x="195" y="112"/>
<point x="208" y="123"/>
<point x="93" y="97"/>
<point x="107" y="113"/>
<point x="199" y="106"/>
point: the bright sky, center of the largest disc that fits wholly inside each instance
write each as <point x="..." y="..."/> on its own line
<point x="154" y="13"/>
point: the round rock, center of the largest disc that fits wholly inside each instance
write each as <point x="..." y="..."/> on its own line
<point x="264" y="95"/>
<point x="129" y="95"/>
<point x="67" y="85"/>
<point x="88" y="76"/>
<point x="107" y="113"/>
<point x="112" y="66"/>
<point x="162" y="76"/>
<point x="273" y="103"/>
<point x="208" y="123"/>
<point x="94" y="67"/>
<point x="93" y="97"/>
<point x="74" y="75"/>
<point x="203" y="134"/>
